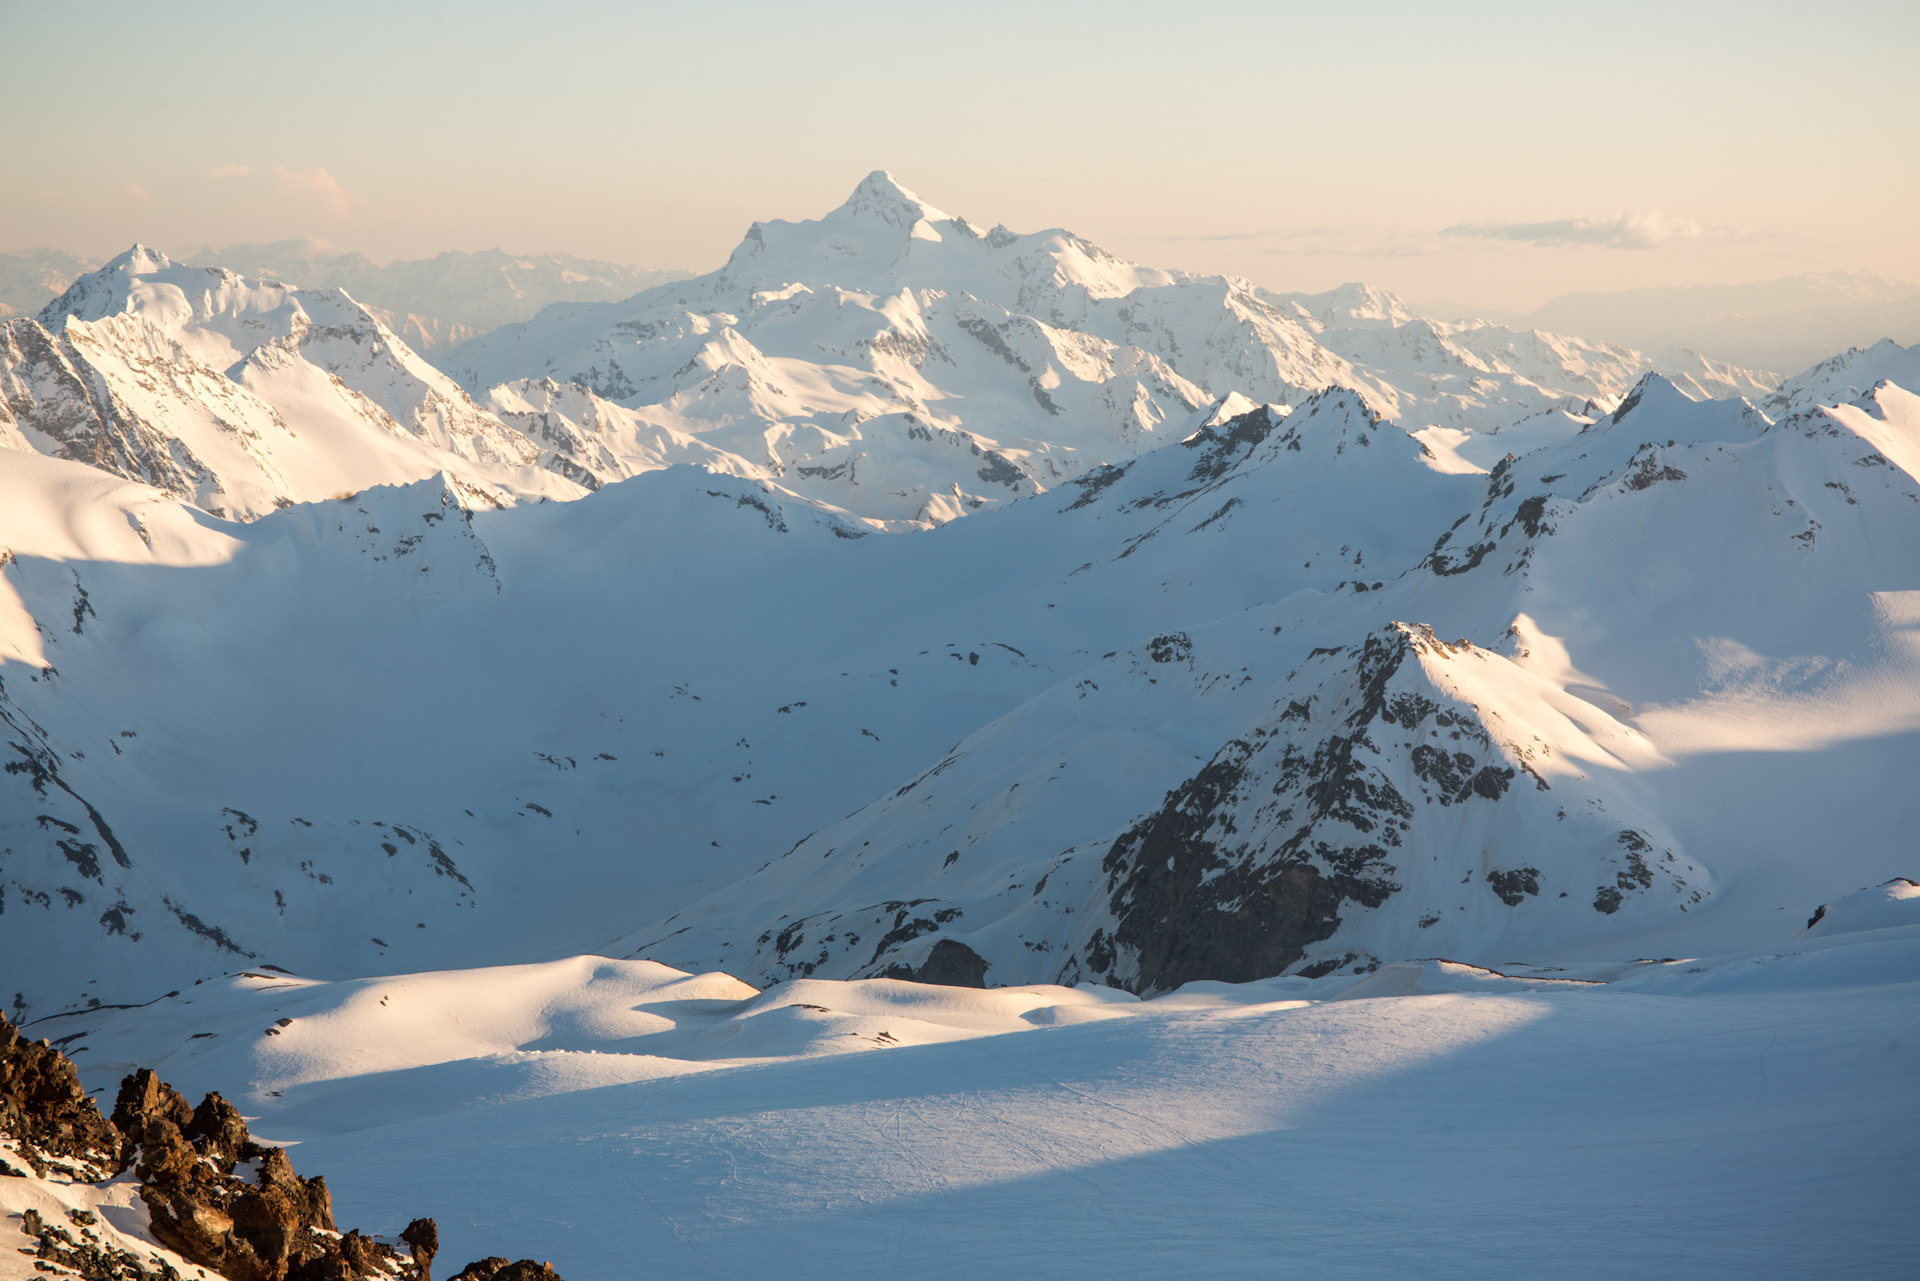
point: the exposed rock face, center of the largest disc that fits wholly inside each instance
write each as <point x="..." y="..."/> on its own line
<point x="49" y="386"/>
<point x="495" y="1268"/>
<point x="279" y="1227"/>
<point x="1191" y="901"/>
<point x="950" y="963"/>
<point x="44" y="1106"/>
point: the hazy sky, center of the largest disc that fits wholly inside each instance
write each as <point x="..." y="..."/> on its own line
<point x="1498" y="154"/>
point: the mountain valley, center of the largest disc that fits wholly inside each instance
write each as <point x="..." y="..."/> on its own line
<point x="932" y="744"/>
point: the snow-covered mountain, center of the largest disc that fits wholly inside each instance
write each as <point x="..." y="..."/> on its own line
<point x="1846" y="377"/>
<point x="322" y="811"/>
<point x="443" y="300"/>
<point x="890" y="362"/>
<point x="243" y="396"/>
<point x="1306" y="784"/>
<point x="1273" y="683"/>
<point x="1346" y="784"/>
<point x="824" y="350"/>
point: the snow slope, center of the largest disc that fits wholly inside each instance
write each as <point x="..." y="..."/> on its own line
<point x="1845" y="377"/>
<point x="1684" y="633"/>
<point x="1290" y="695"/>
<point x="1457" y="1121"/>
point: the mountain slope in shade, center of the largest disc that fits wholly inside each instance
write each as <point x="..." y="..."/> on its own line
<point x="1361" y="789"/>
<point x="858" y="727"/>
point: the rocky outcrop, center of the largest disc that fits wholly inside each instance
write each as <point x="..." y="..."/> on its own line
<point x="278" y="1227"/>
<point x="79" y="1250"/>
<point x="213" y="1195"/>
<point x="498" y="1269"/>
<point x="950" y="963"/>
<point x="45" y="1108"/>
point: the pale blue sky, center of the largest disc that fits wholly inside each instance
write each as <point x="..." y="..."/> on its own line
<point x="1495" y="153"/>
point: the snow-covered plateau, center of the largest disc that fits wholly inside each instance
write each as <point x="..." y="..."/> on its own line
<point x="931" y="751"/>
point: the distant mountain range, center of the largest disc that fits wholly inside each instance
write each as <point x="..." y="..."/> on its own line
<point x="428" y="302"/>
<point x="1782" y="324"/>
<point x="905" y="364"/>
<point x="31" y="280"/>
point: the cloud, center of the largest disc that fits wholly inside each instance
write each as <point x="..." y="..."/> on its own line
<point x="316" y="185"/>
<point x="229" y="171"/>
<point x="1649" y="229"/>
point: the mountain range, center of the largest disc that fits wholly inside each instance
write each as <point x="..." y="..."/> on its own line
<point x="1787" y="323"/>
<point x="429" y="302"/>
<point x="932" y="720"/>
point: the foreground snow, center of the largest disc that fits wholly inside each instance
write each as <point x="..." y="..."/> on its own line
<point x="1727" y="1116"/>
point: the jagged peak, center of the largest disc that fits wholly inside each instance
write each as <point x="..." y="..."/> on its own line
<point x="1654" y="390"/>
<point x="137" y="261"/>
<point x="880" y="195"/>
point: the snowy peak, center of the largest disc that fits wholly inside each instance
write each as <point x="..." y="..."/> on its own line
<point x="880" y="197"/>
<point x="1041" y="347"/>
<point x="856" y="245"/>
<point x="1390" y="796"/>
<point x="1655" y="392"/>
<point x="1355" y="306"/>
<point x="242" y="396"/>
<point x="1843" y="377"/>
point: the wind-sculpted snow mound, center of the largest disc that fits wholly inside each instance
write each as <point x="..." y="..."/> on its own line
<point x="820" y="1123"/>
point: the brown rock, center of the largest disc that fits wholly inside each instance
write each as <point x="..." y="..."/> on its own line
<point x="424" y="1236"/>
<point x="320" y="1206"/>
<point x="279" y="1228"/>
<point x="481" y="1269"/>
<point x="495" y="1268"/>
<point x="218" y="1131"/>
<point x="44" y="1106"/>
<point x="527" y="1270"/>
<point x="269" y="1222"/>
<point x="145" y="1097"/>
